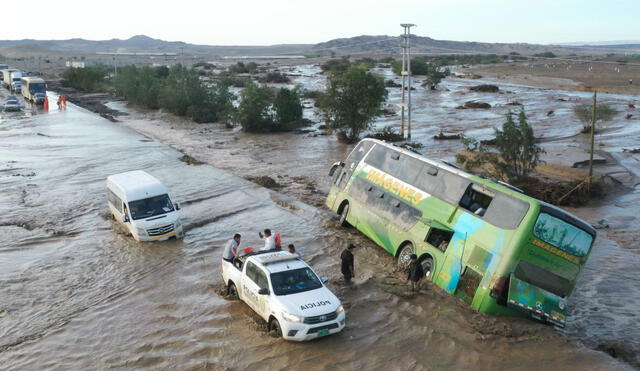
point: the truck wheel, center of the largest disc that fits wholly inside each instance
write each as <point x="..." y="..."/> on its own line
<point x="404" y="257"/>
<point x="427" y="267"/>
<point x="343" y="216"/>
<point x="274" y="328"/>
<point x="231" y="289"/>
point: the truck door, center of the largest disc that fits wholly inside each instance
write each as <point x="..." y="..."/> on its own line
<point x="251" y="284"/>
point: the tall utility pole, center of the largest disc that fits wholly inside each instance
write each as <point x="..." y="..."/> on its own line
<point x="406" y="76"/>
<point x="593" y="132"/>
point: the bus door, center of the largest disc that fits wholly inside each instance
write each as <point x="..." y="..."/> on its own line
<point x="538" y="293"/>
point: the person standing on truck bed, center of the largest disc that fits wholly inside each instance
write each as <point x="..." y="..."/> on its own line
<point x="416" y="273"/>
<point x="347" y="260"/>
<point x="231" y="251"/>
<point x="269" y="240"/>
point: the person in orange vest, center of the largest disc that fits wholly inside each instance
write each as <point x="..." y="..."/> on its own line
<point x="46" y="104"/>
<point x="64" y="101"/>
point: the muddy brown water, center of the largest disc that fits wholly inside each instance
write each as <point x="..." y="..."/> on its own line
<point x="76" y="293"/>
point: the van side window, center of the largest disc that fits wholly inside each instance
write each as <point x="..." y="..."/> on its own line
<point x="114" y="200"/>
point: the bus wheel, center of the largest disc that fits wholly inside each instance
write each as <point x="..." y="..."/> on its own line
<point x="404" y="257"/>
<point x="343" y="215"/>
<point x="427" y="267"/>
<point x="274" y="328"/>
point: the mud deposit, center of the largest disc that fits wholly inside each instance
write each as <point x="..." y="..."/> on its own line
<point x="89" y="297"/>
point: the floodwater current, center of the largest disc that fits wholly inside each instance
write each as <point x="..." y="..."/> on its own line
<point x="77" y="293"/>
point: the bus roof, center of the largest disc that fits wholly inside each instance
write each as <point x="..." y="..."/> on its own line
<point x="507" y="188"/>
<point x="137" y="185"/>
<point x="504" y="188"/>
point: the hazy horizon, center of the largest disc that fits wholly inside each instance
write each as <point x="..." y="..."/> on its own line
<point x="285" y="22"/>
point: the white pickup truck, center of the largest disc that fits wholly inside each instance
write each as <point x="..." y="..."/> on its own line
<point x="286" y="293"/>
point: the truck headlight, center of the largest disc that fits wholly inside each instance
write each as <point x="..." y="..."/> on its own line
<point x="141" y="232"/>
<point x="290" y="317"/>
<point x="340" y="309"/>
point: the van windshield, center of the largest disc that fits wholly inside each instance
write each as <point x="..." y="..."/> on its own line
<point x="151" y="206"/>
<point x="294" y="281"/>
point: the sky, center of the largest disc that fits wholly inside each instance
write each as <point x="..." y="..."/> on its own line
<point x="268" y="22"/>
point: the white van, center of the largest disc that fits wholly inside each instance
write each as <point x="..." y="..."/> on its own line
<point x="142" y="204"/>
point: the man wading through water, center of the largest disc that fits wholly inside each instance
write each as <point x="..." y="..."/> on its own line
<point x="416" y="273"/>
<point x="347" y="263"/>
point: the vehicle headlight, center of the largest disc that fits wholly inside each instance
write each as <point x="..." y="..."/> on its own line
<point x="141" y="232"/>
<point x="340" y="309"/>
<point x="290" y="317"/>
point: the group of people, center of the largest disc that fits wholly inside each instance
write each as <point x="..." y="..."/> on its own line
<point x="232" y="249"/>
<point x="232" y="252"/>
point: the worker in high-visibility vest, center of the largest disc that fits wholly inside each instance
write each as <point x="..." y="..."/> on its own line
<point x="45" y="105"/>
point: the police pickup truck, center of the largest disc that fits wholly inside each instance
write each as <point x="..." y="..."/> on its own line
<point x="286" y="293"/>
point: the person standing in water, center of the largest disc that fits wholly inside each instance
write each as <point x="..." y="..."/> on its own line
<point x="347" y="261"/>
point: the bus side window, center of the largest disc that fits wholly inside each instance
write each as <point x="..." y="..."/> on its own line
<point x="439" y="238"/>
<point x="476" y="200"/>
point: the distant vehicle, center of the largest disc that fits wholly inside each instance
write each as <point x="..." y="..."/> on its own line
<point x="6" y="77"/>
<point x="34" y="89"/>
<point x="143" y="206"/>
<point x="285" y="292"/>
<point x="12" y="104"/>
<point x="16" y="81"/>
<point x="490" y="245"/>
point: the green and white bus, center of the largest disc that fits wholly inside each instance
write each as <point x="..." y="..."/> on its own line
<point x="484" y="242"/>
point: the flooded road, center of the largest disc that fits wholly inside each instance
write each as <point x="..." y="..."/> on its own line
<point x="76" y="293"/>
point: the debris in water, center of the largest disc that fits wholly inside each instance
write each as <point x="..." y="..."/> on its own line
<point x="473" y="105"/>
<point x="190" y="160"/>
<point x="485" y="88"/>
<point x="265" y="181"/>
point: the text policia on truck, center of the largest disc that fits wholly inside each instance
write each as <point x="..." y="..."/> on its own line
<point x="487" y="243"/>
<point x="143" y="206"/>
<point x="285" y="292"/>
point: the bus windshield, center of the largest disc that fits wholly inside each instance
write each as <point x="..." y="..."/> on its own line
<point x="562" y="235"/>
<point x="151" y="206"/>
<point x="294" y="281"/>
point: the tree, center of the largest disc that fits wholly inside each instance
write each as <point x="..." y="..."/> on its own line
<point x="517" y="145"/>
<point x="352" y="100"/>
<point x="254" y="113"/>
<point x="287" y="107"/>
<point x="433" y="77"/>
<point x="584" y="113"/>
<point x="336" y="66"/>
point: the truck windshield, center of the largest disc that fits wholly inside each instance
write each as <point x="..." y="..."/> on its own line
<point x="151" y="206"/>
<point x="294" y="281"/>
<point x="562" y="235"/>
<point x="37" y="88"/>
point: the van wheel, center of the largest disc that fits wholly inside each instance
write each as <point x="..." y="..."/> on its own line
<point x="232" y="290"/>
<point x="343" y="216"/>
<point x="427" y="267"/>
<point x="274" y="328"/>
<point x="404" y="257"/>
